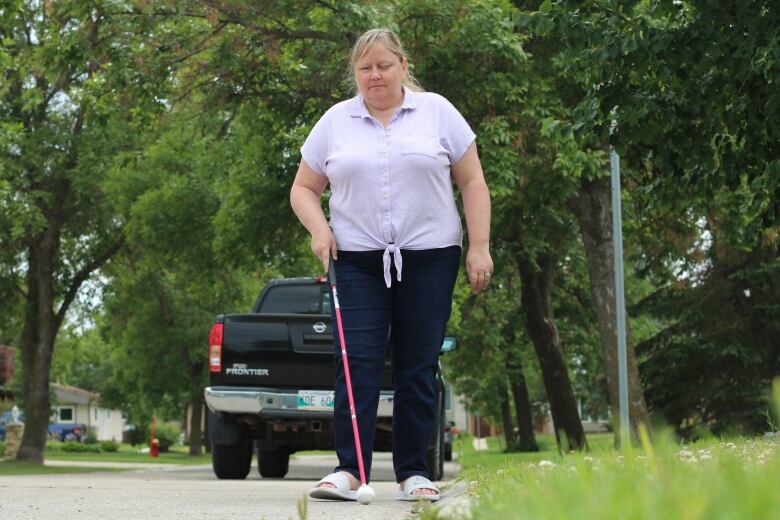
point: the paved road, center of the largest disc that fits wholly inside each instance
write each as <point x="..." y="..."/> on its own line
<point x="192" y="492"/>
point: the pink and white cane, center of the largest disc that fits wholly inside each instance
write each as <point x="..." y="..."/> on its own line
<point x="365" y="494"/>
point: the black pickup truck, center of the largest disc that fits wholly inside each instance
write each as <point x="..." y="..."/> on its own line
<point x="271" y="375"/>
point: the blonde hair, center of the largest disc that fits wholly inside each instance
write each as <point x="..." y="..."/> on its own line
<point x="387" y="38"/>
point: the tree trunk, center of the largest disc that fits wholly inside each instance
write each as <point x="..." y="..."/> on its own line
<point x="506" y="419"/>
<point x="196" y="434"/>
<point x="524" y="440"/>
<point x="535" y="294"/>
<point x="37" y="345"/>
<point x="525" y="423"/>
<point x="592" y="208"/>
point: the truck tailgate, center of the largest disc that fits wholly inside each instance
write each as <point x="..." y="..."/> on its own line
<point x="279" y="350"/>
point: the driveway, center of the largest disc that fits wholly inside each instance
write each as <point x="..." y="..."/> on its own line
<point x="192" y="492"/>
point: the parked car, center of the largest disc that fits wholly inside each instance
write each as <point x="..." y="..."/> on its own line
<point x="56" y="431"/>
<point x="67" y="432"/>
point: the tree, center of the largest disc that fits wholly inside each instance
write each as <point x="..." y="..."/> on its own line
<point x="476" y="45"/>
<point x="695" y="86"/>
<point x="71" y="97"/>
<point x="492" y="339"/>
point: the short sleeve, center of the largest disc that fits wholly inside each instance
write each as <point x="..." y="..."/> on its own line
<point x="455" y="133"/>
<point x="315" y="149"/>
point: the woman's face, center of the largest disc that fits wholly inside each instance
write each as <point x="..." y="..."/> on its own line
<point x="379" y="74"/>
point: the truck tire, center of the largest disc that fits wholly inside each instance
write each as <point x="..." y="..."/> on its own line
<point x="273" y="463"/>
<point x="436" y="446"/>
<point x="232" y="461"/>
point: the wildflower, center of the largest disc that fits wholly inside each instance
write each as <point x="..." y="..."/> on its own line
<point x="546" y="464"/>
<point x="686" y="454"/>
<point x="587" y="458"/>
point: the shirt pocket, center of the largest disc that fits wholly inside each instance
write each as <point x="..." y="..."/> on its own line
<point x="427" y="145"/>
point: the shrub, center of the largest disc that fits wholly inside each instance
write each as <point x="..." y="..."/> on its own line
<point x="137" y="436"/>
<point x="90" y="438"/>
<point x="168" y="435"/>
<point x="2" y="448"/>
<point x="53" y="446"/>
<point x="109" y="446"/>
<point x="78" y="447"/>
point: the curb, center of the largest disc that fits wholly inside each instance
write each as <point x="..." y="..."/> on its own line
<point x="455" y="503"/>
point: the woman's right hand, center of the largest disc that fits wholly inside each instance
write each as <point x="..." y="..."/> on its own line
<point x="323" y="245"/>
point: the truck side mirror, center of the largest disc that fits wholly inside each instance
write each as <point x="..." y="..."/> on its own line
<point x="450" y="343"/>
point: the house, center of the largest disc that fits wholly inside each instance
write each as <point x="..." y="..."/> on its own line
<point x="75" y="405"/>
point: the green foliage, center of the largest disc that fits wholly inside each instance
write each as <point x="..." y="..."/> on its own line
<point x="691" y="86"/>
<point x="168" y="435"/>
<point x="703" y="480"/>
<point x="82" y="359"/>
<point x="109" y="446"/>
<point x="53" y="446"/>
<point x="2" y="448"/>
<point x="138" y="436"/>
<point x="79" y="447"/>
<point x="90" y="438"/>
<point x="712" y="364"/>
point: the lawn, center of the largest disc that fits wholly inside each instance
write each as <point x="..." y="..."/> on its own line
<point x="713" y="479"/>
<point x="128" y="453"/>
<point x="495" y="457"/>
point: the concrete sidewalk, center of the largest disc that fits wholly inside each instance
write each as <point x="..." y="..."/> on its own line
<point x="168" y="491"/>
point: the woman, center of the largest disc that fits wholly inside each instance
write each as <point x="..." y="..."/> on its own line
<point x="390" y="155"/>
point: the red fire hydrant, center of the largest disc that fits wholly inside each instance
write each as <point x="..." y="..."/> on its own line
<point x="154" y="448"/>
<point x="154" y="443"/>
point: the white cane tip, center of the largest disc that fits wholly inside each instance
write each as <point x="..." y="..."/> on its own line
<point x="365" y="494"/>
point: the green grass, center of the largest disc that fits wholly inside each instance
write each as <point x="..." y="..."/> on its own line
<point x="313" y="452"/>
<point x="16" y="468"/>
<point x="128" y="453"/>
<point x="711" y="479"/>
<point x="495" y="457"/>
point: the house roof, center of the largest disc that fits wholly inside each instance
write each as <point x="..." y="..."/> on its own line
<point x="72" y="395"/>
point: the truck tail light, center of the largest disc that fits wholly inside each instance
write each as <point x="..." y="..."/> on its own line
<point x="215" y="347"/>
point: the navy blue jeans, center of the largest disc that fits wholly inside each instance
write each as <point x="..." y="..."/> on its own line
<point x="416" y="310"/>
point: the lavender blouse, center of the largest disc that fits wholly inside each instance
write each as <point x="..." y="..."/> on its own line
<point x="391" y="187"/>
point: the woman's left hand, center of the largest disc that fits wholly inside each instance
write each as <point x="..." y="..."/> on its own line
<point x="479" y="266"/>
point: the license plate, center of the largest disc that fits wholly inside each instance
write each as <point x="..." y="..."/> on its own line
<point x="315" y="400"/>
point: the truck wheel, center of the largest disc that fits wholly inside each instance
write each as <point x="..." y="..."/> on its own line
<point x="436" y="447"/>
<point x="273" y="463"/>
<point x="232" y="461"/>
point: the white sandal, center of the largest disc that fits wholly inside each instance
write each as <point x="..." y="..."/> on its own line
<point x="414" y="483"/>
<point x="342" y="490"/>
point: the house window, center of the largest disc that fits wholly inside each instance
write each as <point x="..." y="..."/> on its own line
<point x="65" y="413"/>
